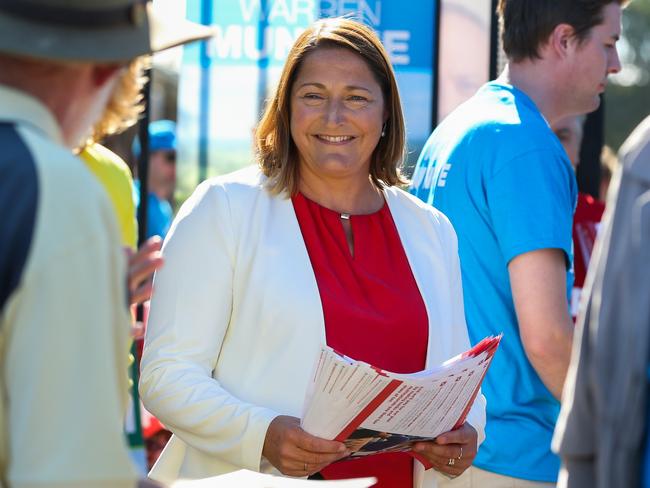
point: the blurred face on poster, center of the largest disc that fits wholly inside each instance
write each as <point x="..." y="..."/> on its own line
<point x="464" y="53"/>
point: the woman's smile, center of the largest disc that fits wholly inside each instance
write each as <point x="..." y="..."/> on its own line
<point x="336" y="140"/>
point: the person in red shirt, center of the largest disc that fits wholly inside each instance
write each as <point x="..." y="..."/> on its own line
<point x="315" y="245"/>
<point x="155" y="437"/>
<point x="588" y="213"/>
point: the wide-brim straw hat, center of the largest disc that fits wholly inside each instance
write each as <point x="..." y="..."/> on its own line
<point x="91" y="30"/>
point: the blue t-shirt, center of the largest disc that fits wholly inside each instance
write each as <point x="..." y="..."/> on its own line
<point x="159" y="213"/>
<point x="496" y="169"/>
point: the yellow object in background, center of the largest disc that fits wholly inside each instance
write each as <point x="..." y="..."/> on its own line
<point x="115" y="177"/>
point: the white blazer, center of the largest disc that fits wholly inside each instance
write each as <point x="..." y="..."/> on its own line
<point x="236" y="321"/>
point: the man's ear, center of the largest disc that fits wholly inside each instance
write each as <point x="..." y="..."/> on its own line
<point x="562" y="40"/>
<point x="104" y="72"/>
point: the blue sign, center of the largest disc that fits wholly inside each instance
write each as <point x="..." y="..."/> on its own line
<point x="225" y="81"/>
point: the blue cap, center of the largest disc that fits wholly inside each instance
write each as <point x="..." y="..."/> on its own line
<point x="162" y="137"/>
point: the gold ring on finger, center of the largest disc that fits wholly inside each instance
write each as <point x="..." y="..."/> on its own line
<point x="460" y="456"/>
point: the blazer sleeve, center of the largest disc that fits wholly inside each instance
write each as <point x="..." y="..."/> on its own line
<point x="190" y="315"/>
<point x="476" y="416"/>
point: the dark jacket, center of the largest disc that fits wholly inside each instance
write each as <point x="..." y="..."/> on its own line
<point x="601" y="431"/>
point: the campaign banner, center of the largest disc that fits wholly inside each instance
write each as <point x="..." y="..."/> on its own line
<point x="464" y="53"/>
<point x="225" y="81"/>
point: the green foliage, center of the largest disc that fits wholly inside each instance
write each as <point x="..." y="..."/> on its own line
<point x="636" y="31"/>
<point x="626" y="106"/>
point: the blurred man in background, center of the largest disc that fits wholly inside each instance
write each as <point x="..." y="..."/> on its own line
<point x="64" y="323"/>
<point x="589" y="210"/>
<point x="161" y="178"/>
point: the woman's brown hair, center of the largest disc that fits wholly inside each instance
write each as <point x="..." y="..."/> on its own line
<point x="275" y="149"/>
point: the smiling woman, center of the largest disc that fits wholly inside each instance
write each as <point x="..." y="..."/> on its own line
<point x="314" y="246"/>
<point x="337" y="113"/>
<point x="343" y="69"/>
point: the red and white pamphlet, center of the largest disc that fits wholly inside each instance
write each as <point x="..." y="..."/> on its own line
<point x="375" y="411"/>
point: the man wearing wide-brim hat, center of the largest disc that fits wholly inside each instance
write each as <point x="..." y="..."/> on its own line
<point x="63" y="318"/>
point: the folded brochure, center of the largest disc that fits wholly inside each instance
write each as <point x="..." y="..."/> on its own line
<point x="376" y="411"/>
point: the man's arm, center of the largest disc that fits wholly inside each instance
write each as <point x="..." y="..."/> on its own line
<point x="538" y="282"/>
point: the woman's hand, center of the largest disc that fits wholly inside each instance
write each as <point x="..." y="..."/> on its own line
<point x="452" y="452"/>
<point x="294" y="452"/>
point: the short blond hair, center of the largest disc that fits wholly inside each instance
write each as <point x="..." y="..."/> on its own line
<point x="126" y="102"/>
<point x="275" y="150"/>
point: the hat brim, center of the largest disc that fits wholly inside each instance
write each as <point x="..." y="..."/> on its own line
<point x="169" y="32"/>
<point x="154" y="32"/>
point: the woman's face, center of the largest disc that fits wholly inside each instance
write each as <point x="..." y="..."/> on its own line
<point x="337" y="113"/>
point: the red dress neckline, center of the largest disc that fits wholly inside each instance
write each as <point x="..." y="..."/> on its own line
<point x="372" y="308"/>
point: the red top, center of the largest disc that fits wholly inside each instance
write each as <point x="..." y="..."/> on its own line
<point x="586" y="221"/>
<point x="372" y="308"/>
